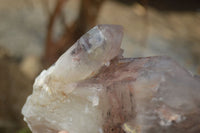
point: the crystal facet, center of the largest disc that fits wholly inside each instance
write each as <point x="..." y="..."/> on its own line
<point x="93" y="89"/>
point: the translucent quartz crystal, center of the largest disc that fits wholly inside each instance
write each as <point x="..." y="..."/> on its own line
<point x="93" y="89"/>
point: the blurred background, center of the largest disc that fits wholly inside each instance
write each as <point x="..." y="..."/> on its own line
<point x="34" y="33"/>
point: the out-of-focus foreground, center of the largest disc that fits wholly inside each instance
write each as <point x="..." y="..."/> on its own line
<point x="34" y="33"/>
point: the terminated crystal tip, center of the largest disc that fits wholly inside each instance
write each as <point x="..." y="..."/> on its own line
<point x="95" y="48"/>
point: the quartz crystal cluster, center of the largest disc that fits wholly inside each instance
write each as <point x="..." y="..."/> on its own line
<point x="93" y="89"/>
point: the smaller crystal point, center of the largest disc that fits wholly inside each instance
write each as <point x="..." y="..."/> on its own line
<point x="95" y="48"/>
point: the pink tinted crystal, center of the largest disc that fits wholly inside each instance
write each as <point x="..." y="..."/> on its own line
<point x="93" y="89"/>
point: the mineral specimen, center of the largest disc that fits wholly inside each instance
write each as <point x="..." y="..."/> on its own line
<point x="93" y="89"/>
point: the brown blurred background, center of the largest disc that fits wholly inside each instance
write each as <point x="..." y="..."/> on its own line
<point x="34" y="33"/>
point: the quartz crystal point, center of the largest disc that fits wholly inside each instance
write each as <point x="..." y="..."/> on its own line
<point x="93" y="89"/>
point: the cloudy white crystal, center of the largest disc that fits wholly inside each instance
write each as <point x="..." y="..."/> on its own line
<point x="52" y="106"/>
